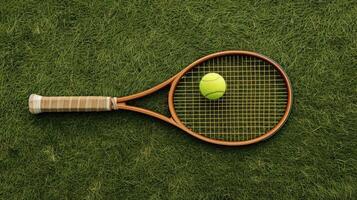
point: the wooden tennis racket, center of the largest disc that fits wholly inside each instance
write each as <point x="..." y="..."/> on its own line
<point x="256" y="103"/>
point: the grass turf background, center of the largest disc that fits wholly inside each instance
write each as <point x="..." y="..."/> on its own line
<point x="118" y="48"/>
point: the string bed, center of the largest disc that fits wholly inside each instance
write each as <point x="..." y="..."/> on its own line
<point x="254" y="102"/>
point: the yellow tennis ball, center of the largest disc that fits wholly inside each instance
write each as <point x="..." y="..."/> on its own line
<point x="212" y="86"/>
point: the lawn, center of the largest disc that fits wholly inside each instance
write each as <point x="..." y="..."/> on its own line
<point x="116" y="48"/>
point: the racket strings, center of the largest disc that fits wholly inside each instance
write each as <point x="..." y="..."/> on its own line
<point x="254" y="102"/>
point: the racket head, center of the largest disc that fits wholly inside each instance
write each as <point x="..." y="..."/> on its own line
<point x="256" y="104"/>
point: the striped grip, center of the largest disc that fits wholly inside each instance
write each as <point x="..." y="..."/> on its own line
<point x="39" y="104"/>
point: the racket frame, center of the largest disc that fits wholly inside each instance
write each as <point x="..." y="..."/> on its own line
<point x="175" y="120"/>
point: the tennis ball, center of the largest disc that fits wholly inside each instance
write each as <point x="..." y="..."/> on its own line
<point x="212" y="86"/>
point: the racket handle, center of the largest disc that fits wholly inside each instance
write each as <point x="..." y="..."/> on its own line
<point x="39" y="104"/>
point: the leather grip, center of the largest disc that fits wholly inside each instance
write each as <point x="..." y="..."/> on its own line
<point x="39" y="104"/>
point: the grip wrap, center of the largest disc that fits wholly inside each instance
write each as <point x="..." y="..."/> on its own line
<point x="39" y="104"/>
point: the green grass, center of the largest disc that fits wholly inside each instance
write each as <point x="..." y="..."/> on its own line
<point x="119" y="48"/>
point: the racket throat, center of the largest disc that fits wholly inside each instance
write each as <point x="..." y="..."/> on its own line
<point x="124" y="106"/>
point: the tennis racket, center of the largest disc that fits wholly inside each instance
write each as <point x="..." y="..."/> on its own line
<point x="255" y="106"/>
